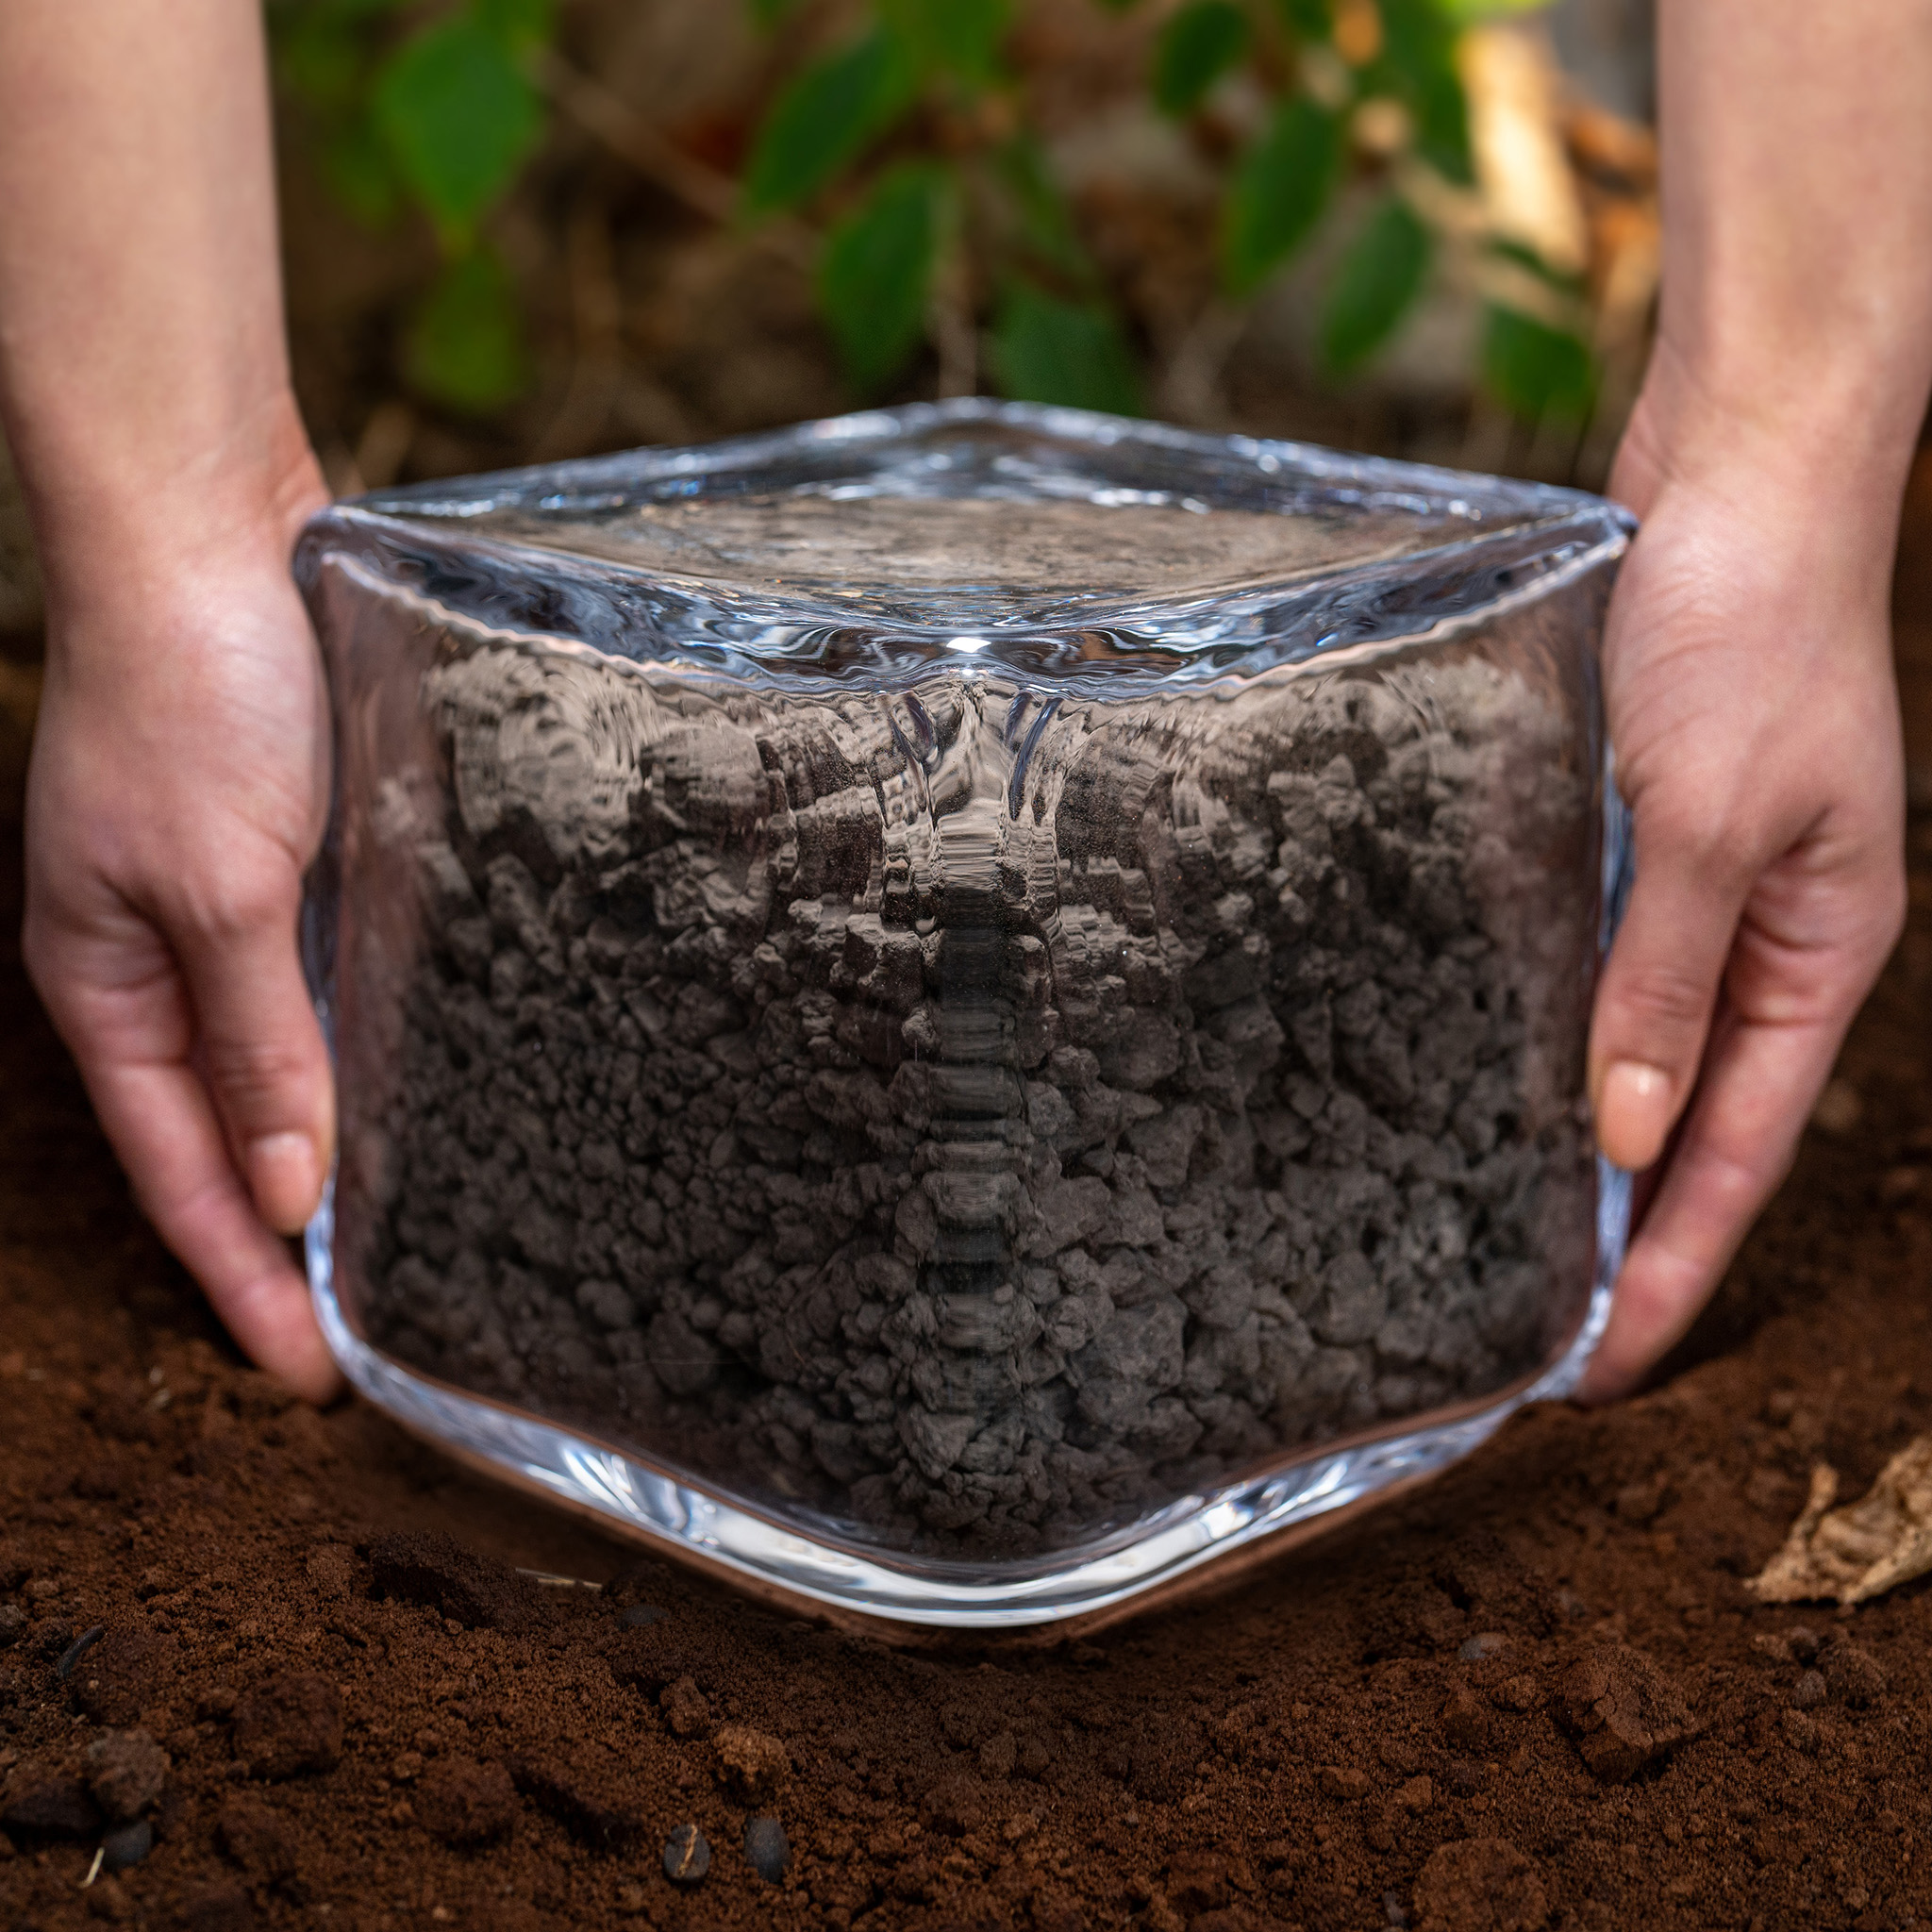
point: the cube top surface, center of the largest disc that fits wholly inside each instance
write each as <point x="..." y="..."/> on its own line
<point x="1056" y="540"/>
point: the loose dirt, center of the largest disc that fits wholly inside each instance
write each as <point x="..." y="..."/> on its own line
<point x="1535" y="1694"/>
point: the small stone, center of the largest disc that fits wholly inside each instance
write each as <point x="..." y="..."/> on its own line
<point x="77" y="1650"/>
<point x="752" y="1763"/>
<point x="685" y="1708"/>
<point x="289" y="1725"/>
<point x="687" y="1855"/>
<point x="126" y="1845"/>
<point x="1802" y="1642"/>
<point x="125" y="1771"/>
<point x="1811" y="1692"/>
<point x="1485" y="1643"/>
<point x="766" y="1850"/>
<point x="640" y="1617"/>
<point x="13" y="1621"/>
<point x="1343" y="1781"/>
<point x="1621" y="1711"/>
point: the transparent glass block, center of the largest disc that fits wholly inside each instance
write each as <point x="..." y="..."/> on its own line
<point x="958" y="1011"/>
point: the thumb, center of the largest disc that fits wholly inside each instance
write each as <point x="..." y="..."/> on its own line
<point x="1660" y="988"/>
<point x="262" y="1052"/>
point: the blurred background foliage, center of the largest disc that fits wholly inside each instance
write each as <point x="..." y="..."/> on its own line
<point x="533" y="229"/>
<point x="528" y="230"/>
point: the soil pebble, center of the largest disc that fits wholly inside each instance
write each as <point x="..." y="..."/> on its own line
<point x="1479" y="1884"/>
<point x="126" y="1845"/>
<point x="1621" y="1711"/>
<point x="640" y="1617"/>
<point x="13" y="1621"/>
<point x="685" y="1708"/>
<point x="125" y="1771"/>
<point x="1811" y="1692"/>
<point x="687" y="1855"/>
<point x="460" y="1802"/>
<point x="753" y="1764"/>
<point x="766" y="1849"/>
<point x="287" y="1725"/>
<point x="431" y="1567"/>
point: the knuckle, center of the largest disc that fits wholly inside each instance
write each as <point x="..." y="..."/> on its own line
<point x="224" y="902"/>
<point x="1661" y="1003"/>
<point x="256" y="1078"/>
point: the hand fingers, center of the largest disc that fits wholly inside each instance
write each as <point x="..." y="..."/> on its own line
<point x="1658" y="989"/>
<point x="120" y="1005"/>
<point x="162" y="1126"/>
<point x="1736" y="1146"/>
<point x="263" y="1054"/>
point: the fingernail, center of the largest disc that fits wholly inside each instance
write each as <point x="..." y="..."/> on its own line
<point x="1634" y="1111"/>
<point x="283" y="1179"/>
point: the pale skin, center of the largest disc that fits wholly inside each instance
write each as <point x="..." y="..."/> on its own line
<point x="180" y="776"/>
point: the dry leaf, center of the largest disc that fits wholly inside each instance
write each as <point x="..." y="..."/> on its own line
<point x="1864" y="1549"/>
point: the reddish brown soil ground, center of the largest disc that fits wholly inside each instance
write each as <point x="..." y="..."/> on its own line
<point x="1535" y="1694"/>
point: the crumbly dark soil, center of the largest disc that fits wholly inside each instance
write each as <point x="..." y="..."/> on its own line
<point x="1533" y="1694"/>
<point x="1219" y="1099"/>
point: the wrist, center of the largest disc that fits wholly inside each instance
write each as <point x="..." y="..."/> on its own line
<point x="134" y="536"/>
<point x="1832" y="435"/>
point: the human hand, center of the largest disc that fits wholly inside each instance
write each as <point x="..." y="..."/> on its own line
<point x="178" y="791"/>
<point x="1753" y="709"/>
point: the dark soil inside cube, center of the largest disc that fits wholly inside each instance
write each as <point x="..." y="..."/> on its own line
<point x="974" y="1148"/>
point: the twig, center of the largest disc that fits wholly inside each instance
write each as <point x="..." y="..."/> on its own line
<point x="626" y="132"/>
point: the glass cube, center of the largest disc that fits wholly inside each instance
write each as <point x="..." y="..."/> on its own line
<point x="959" y="1011"/>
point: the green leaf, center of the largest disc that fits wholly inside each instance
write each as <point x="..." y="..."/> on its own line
<point x="1536" y="371"/>
<point x="464" y="345"/>
<point x="827" y="115"/>
<point x="1046" y="350"/>
<point x="956" y="36"/>
<point x="357" y="167"/>
<point x="1279" y="193"/>
<point x="875" y="269"/>
<point x="1466" y="12"/>
<point x="1196" y="47"/>
<point x="460" y="117"/>
<point x="520" y="24"/>
<point x="1307" y="19"/>
<point x="1376" y="285"/>
<point x="1418" y="63"/>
